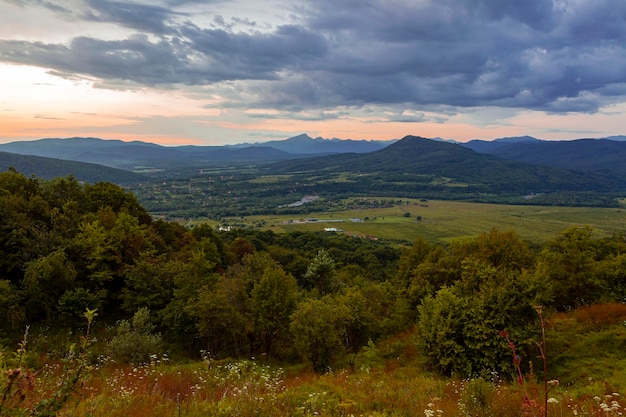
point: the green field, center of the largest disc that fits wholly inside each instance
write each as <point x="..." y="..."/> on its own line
<point x="442" y="221"/>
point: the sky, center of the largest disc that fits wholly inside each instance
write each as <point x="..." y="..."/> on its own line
<point x="214" y="72"/>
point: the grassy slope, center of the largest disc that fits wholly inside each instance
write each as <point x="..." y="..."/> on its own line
<point x="585" y="351"/>
<point x="587" y="348"/>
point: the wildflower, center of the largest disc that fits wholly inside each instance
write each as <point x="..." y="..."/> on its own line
<point x="553" y="400"/>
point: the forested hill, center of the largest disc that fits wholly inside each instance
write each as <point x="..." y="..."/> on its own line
<point x="49" y="168"/>
<point x="582" y="154"/>
<point x="130" y="155"/>
<point x="421" y="156"/>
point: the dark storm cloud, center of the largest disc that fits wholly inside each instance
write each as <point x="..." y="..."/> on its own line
<point x="256" y="55"/>
<point x="553" y="55"/>
<point x="537" y="54"/>
<point x="197" y="57"/>
<point x="147" y="18"/>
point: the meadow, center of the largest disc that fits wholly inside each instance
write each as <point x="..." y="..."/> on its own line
<point x="442" y="221"/>
<point x="586" y="377"/>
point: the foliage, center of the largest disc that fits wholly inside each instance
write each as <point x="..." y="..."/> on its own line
<point x="19" y="397"/>
<point x="492" y="291"/>
<point x="318" y="327"/>
<point x="217" y="319"/>
<point x="134" y="341"/>
<point x="272" y="301"/>
<point x="321" y="275"/>
<point x="569" y="264"/>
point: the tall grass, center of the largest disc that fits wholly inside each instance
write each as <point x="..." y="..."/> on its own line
<point x="388" y="380"/>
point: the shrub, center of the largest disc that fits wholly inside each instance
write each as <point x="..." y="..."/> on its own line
<point x="134" y="341"/>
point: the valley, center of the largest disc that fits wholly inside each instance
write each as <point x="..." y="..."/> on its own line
<point x="439" y="220"/>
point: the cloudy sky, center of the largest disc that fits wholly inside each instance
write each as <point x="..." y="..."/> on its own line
<point x="217" y="71"/>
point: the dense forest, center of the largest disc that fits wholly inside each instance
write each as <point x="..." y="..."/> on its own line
<point x="68" y="247"/>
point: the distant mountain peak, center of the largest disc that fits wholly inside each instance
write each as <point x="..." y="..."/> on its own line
<point x="516" y="139"/>
<point x="303" y="137"/>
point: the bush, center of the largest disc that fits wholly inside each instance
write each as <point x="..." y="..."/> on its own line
<point x="134" y="341"/>
<point x="459" y="327"/>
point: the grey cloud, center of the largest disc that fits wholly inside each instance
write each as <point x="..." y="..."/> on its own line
<point x="134" y="59"/>
<point x="147" y="18"/>
<point x="315" y="115"/>
<point x="198" y="57"/>
<point x="538" y="14"/>
<point x="257" y="55"/>
<point x="599" y="21"/>
<point x="55" y="7"/>
<point x="559" y="56"/>
<point x="175" y="3"/>
<point x="538" y="54"/>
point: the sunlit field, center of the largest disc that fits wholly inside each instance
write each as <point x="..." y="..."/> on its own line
<point x="445" y="220"/>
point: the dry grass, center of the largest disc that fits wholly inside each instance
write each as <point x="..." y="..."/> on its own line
<point x="389" y="382"/>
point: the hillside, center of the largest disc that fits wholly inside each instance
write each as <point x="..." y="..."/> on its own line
<point x="479" y="172"/>
<point x="49" y="168"/>
<point x="138" y="155"/>
<point x="488" y="146"/>
<point x="582" y="154"/>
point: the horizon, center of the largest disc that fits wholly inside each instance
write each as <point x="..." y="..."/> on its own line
<point x="301" y="134"/>
<point x="209" y="74"/>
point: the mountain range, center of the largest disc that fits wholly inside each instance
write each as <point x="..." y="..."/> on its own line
<point x="607" y="155"/>
<point x="465" y="167"/>
<point x="305" y="145"/>
<point x="141" y="156"/>
<point x="518" y="164"/>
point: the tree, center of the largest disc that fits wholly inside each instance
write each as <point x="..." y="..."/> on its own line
<point x="483" y="285"/>
<point x="409" y="261"/>
<point x="440" y="332"/>
<point x="568" y="265"/>
<point x="318" y="327"/>
<point x="149" y="283"/>
<point x="12" y="312"/>
<point x="217" y="319"/>
<point x="273" y="300"/>
<point x="45" y="280"/>
<point x="106" y="194"/>
<point x="321" y="274"/>
<point x="190" y="276"/>
<point x="73" y="303"/>
<point x="459" y="326"/>
<point x="240" y="248"/>
<point x="108" y="247"/>
<point x="359" y="322"/>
